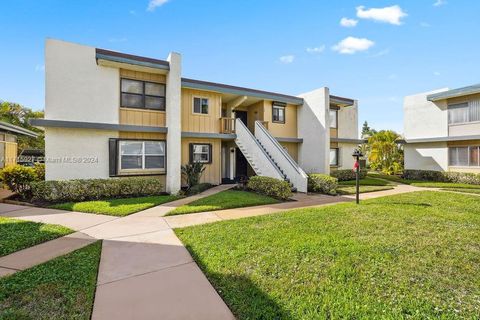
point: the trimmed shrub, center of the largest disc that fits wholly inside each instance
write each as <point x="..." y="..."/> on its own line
<point x="322" y="183"/>
<point x="347" y="174"/>
<point x="439" y="176"/>
<point x="18" y="178"/>
<point x="192" y="173"/>
<point x="198" y="188"/>
<point x="94" y="189"/>
<point x="271" y="187"/>
<point x="39" y="171"/>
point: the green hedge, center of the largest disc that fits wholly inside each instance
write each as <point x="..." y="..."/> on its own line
<point x="270" y="187"/>
<point x="18" y="178"/>
<point x="94" y="189"/>
<point x="322" y="183"/>
<point x="347" y="174"/>
<point x="439" y="176"/>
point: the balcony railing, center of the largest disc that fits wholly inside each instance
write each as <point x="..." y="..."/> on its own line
<point x="227" y="125"/>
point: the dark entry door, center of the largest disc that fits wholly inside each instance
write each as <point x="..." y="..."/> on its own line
<point x="241" y="164"/>
<point x="242" y="115"/>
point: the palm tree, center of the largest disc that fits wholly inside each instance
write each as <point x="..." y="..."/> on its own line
<point x="385" y="152"/>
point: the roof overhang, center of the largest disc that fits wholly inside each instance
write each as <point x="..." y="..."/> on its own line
<point x="241" y="91"/>
<point x="454" y="93"/>
<point x="95" y="125"/>
<point x="442" y="139"/>
<point x="347" y="140"/>
<point x="341" y="101"/>
<point x="5" y="126"/>
<point x="115" y="59"/>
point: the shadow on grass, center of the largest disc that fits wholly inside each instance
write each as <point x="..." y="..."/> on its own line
<point x="401" y="204"/>
<point x="242" y="296"/>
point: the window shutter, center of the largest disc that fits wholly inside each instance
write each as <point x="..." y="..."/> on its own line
<point x="190" y="153"/>
<point x="112" y="157"/>
<point x="210" y="160"/>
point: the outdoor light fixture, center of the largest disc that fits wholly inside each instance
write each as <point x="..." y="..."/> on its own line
<point x="356" y="167"/>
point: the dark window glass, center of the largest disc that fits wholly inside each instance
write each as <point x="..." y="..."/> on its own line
<point x="201" y="153"/>
<point x="154" y="162"/>
<point x="132" y="86"/>
<point x="200" y="105"/>
<point x="131" y="162"/>
<point x="141" y="94"/>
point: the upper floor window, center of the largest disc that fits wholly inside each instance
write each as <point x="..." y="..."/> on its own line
<point x="464" y="156"/>
<point x="333" y="118"/>
<point x="278" y="112"/>
<point x="464" y="112"/>
<point x="142" y="94"/>
<point x="200" y="105"/>
<point x="142" y="155"/>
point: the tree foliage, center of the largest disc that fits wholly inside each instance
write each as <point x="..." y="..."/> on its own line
<point x="367" y="132"/>
<point x="19" y="115"/>
<point x="385" y="153"/>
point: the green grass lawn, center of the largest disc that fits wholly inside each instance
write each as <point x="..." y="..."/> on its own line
<point x="424" y="184"/>
<point x="116" y="207"/>
<point x="62" y="288"/>
<point x="464" y="190"/>
<point x="17" y="234"/>
<point x="224" y="200"/>
<point x="348" y="189"/>
<point x="366" y="182"/>
<point x="409" y="256"/>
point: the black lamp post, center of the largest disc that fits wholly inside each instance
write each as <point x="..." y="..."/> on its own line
<point x="356" y="155"/>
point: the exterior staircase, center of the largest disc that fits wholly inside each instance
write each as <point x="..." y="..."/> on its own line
<point x="267" y="157"/>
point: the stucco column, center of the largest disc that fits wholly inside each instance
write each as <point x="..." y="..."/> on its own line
<point x="314" y="128"/>
<point x="173" y="120"/>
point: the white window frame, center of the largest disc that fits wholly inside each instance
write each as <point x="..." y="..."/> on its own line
<point x="208" y="152"/>
<point x="143" y="155"/>
<point x="201" y="98"/>
<point x="280" y="107"/>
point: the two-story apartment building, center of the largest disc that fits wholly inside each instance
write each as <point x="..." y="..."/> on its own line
<point x="442" y="130"/>
<point x="110" y="114"/>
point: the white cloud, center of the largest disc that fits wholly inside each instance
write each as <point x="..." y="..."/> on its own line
<point x="392" y="15"/>
<point x="439" y="3"/>
<point x="287" y="59"/>
<point x="425" y="24"/>
<point x="316" y="50"/>
<point x="153" y="4"/>
<point x="39" y="67"/>
<point x="348" y="23"/>
<point x="351" y="45"/>
<point x="436" y="73"/>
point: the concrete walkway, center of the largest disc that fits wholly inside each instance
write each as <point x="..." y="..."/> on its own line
<point x="145" y="271"/>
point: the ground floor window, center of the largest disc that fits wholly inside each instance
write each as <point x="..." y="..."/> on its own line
<point x="464" y="156"/>
<point x="201" y="152"/>
<point x="141" y="155"/>
<point x="334" y="156"/>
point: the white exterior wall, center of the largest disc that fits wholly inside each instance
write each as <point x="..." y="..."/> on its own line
<point x="425" y="119"/>
<point x="76" y="144"/>
<point x="173" y="120"/>
<point x="313" y="128"/>
<point x="426" y="156"/>
<point x="345" y="153"/>
<point x="348" y="122"/>
<point x="76" y="88"/>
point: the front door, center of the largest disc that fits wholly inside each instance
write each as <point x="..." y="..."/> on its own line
<point x="242" y="115"/>
<point x="241" y="164"/>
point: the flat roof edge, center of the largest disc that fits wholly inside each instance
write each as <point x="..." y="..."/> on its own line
<point x="454" y="93"/>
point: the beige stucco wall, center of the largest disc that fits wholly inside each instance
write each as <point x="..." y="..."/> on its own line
<point x="194" y="122"/>
<point x="76" y="88"/>
<point x="213" y="171"/>
<point x="348" y="122"/>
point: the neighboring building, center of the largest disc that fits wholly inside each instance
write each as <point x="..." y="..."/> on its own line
<point x="442" y="130"/>
<point x="8" y="142"/>
<point x="109" y="114"/>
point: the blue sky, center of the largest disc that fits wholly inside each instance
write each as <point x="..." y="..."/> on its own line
<point x="380" y="52"/>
